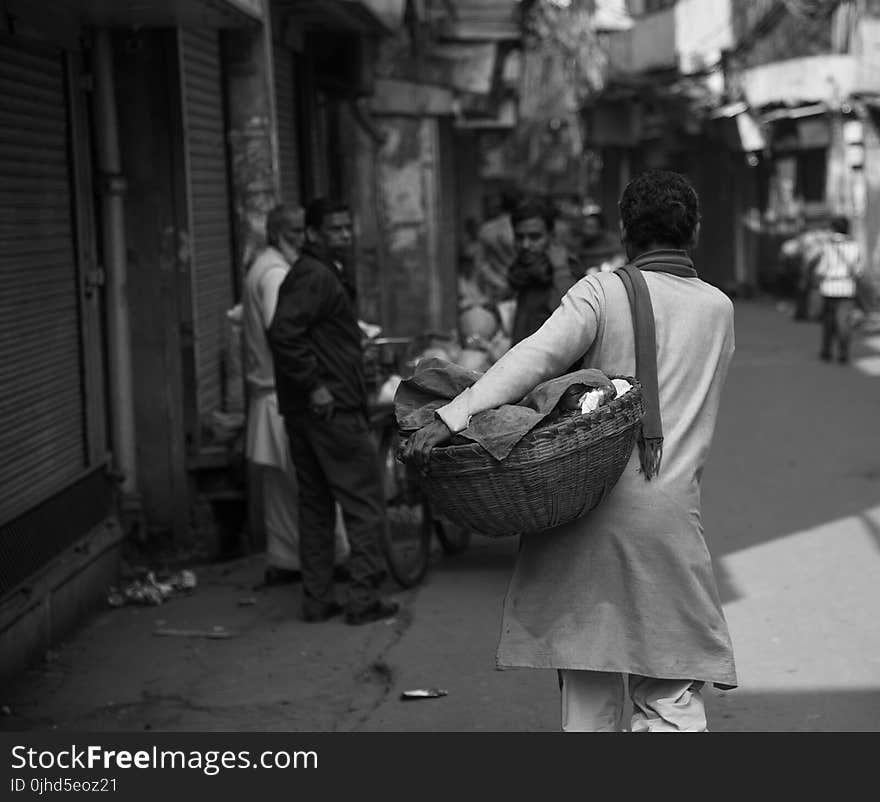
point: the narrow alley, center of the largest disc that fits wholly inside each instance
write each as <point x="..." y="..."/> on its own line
<point x="791" y="515"/>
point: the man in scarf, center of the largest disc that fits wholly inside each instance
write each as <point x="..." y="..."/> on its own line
<point x="625" y="597"/>
<point x="542" y="271"/>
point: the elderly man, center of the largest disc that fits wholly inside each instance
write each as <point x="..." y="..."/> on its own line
<point x="266" y="441"/>
<point x="625" y="597"/>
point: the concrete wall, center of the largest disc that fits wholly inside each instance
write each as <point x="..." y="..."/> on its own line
<point x="253" y="148"/>
<point x="703" y="28"/>
<point x="42" y="613"/>
<point x="652" y="42"/>
<point x="413" y="289"/>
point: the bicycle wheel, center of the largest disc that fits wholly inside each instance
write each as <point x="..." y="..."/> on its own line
<point x="409" y="523"/>
<point x="453" y="538"/>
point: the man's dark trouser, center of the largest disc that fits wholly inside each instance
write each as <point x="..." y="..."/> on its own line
<point x="337" y="460"/>
<point x="836" y="325"/>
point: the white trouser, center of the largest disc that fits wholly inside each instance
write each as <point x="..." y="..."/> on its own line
<point x="281" y="520"/>
<point x="592" y="701"/>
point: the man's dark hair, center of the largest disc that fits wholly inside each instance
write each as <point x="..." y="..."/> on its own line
<point x="659" y="207"/>
<point x="321" y="208"/>
<point x="529" y="208"/>
<point x="278" y="222"/>
<point x="840" y="224"/>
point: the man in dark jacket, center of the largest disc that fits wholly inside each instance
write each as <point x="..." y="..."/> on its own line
<point x="319" y="376"/>
<point x="543" y="270"/>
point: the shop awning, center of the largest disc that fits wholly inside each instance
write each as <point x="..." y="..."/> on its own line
<point x="742" y="129"/>
<point x="167" y="13"/>
<point x="795" y="114"/>
<point x="794" y="82"/>
<point x="470" y="66"/>
<point x="728" y="111"/>
<point x="478" y="20"/>
<point x="393" y="96"/>
<point x="351" y="16"/>
<point x="505" y="117"/>
<point x="611" y="15"/>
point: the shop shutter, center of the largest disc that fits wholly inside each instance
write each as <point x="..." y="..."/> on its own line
<point x="210" y="215"/>
<point x="42" y="405"/>
<point x="285" y="112"/>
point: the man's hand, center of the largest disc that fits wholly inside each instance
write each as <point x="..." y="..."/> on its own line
<point x="417" y="450"/>
<point x="321" y="402"/>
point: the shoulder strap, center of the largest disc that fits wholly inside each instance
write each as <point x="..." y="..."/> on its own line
<point x="650" y="438"/>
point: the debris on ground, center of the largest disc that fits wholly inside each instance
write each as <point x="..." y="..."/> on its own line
<point x="151" y="591"/>
<point x="247" y="602"/>
<point x="216" y="633"/>
<point x="423" y="693"/>
<point x="6" y="710"/>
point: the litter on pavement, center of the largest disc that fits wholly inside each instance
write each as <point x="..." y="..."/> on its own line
<point x="150" y="591"/>
<point x="216" y="633"/>
<point x="423" y="693"/>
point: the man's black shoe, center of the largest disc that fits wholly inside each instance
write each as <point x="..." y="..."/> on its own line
<point x="324" y="612"/>
<point x="375" y="612"/>
<point x="281" y="576"/>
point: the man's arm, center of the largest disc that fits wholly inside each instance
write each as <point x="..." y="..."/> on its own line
<point x="858" y="261"/>
<point x="565" y="337"/>
<point x="817" y="264"/>
<point x="301" y="297"/>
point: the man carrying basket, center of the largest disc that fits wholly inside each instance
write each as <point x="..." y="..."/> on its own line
<point x="625" y="595"/>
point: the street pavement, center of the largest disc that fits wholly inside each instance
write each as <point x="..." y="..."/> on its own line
<point x="791" y="509"/>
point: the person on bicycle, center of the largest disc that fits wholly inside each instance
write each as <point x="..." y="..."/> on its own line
<point x="625" y="595"/>
<point x="319" y="373"/>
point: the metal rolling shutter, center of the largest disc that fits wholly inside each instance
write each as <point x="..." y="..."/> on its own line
<point x="285" y="112"/>
<point x="210" y="217"/>
<point x="42" y="406"/>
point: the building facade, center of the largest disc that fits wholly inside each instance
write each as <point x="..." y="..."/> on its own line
<point x="141" y="148"/>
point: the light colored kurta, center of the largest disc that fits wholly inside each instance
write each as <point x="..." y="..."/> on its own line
<point x="629" y="587"/>
<point x="266" y="441"/>
<point x="266" y="437"/>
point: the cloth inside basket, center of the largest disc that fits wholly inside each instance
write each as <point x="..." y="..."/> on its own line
<point x="436" y="382"/>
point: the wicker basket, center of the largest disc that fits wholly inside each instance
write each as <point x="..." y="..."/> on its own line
<point x="555" y="474"/>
